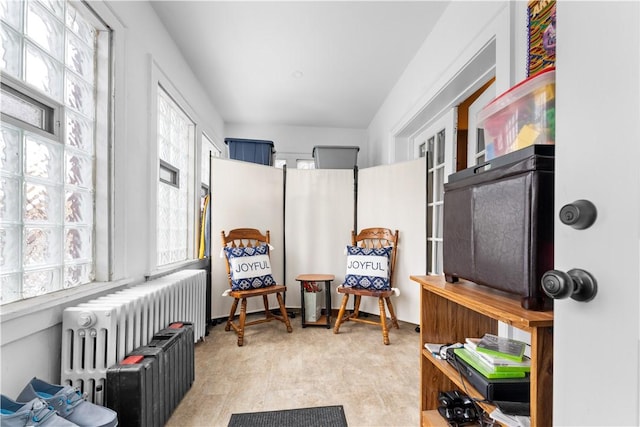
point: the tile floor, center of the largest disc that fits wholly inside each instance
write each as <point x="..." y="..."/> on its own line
<point x="378" y="385"/>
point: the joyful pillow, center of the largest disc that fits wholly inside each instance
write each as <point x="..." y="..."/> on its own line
<point x="368" y="268"/>
<point x="250" y="267"/>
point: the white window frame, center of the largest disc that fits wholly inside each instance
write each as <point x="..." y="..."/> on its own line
<point x="208" y="149"/>
<point x="447" y="123"/>
<point x="30" y="95"/>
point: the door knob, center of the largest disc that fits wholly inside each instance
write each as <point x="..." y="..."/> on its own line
<point x="577" y="284"/>
<point x="580" y="214"/>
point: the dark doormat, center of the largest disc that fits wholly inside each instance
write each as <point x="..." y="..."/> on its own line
<point x="323" y="416"/>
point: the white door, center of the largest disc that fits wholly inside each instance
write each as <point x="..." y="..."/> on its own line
<point x="438" y="140"/>
<point x="596" y="344"/>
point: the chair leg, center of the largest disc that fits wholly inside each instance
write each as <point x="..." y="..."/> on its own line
<point x="243" y="318"/>
<point x="392" y="313"/>
<point x="234" y="307"/>
<point x="283" y="312"/>
<point x="343" y="307"/>
<point x="267" y="312"/>
<point x="356" y="306"/>
<point x="383" y="321"/>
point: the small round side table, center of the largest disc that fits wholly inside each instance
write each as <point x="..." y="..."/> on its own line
<point x="325" y="319"/>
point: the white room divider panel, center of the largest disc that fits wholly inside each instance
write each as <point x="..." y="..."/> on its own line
<point x="393" y="196"/>
<point x="319" y="213"/>
<point x="250" y="195"/>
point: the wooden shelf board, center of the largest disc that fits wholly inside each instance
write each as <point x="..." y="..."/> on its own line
<point x="322" y="321"/>
<point x="487" y="301"/>
<point x="433" y="419"/>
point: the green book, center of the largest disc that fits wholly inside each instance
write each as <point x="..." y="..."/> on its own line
<point x="501" y="365"/>
<point x="477" y="363"/>
<point x="505" y="348"/>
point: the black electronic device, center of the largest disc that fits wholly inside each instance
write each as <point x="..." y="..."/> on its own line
<point x="457" y="408"/>
<point x="499" y="389"/>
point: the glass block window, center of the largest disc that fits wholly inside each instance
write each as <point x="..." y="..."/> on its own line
<point x="175" y="141"/>
<point x="47" y="147"/>
<point x="305" y="164"/>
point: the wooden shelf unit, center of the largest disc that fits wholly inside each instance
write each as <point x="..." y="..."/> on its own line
<point x="450" y="313"/>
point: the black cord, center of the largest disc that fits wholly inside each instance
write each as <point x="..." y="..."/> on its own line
<point x="479" y="410"/>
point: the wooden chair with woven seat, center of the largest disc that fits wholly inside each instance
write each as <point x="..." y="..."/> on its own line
<point x="247" y="250"/>
<point x="372" y="238"/>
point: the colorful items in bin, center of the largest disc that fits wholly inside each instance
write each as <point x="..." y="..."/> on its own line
<point x="520" y="117"/>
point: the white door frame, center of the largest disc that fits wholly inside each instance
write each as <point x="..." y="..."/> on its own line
<point x="487" y="96"/>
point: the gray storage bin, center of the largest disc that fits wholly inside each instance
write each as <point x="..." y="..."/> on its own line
<point x="335" y="156"/>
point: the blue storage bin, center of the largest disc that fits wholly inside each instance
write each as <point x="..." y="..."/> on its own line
<point x="251" y="150"/>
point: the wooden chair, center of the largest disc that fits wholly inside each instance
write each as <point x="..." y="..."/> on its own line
<point x="242" y="238"/>
<point x="371" y="238"/>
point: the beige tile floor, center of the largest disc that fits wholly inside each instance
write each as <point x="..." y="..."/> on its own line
<point x="378" y="385"/>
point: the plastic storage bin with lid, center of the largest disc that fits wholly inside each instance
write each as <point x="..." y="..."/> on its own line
<point x="522" y="116"/>
<point x="335" y="156"/>
<point x="251" y="150"/>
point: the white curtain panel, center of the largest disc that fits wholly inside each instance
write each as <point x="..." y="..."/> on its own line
<point x="393" y="196"/>
<point x="319" y="219"/>
<point x="244" y="195"/>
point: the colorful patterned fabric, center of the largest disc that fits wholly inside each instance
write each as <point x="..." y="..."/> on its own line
<point x="368" y="268"/>
<point x="250" y="267"/>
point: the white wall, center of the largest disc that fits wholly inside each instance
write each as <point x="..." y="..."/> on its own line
<point x="147" y="42"/>
<point x="31" y="330"/>
<point x="464" y="28"/>
<point x="297" y="142"/>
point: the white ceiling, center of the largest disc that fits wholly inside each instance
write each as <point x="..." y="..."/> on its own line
<point x="350" y="54"/>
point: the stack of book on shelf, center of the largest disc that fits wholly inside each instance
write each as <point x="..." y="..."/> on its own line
<point x="495" y="357"/>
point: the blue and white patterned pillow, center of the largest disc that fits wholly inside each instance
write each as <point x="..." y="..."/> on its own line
<point x="250" y="267"/>
<point x="368" y="268"/>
